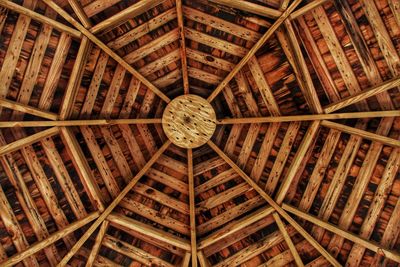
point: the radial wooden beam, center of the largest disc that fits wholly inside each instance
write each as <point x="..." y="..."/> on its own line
<point x="80" y="13"/>
<point x="50" y="240"/>
<point x="100" y="122"/>
<point x="183" y="47"/>
<point x="288" y="240"/>
<point x="250" y="7"/>
<point x="106" y="49"/>
<point x="334" y="116"/>
<point x="28" y="140"/>
<point x="97" y="244"/>
<point x="129" y="12"/>
<point x="393" y="255"/>
<point x="364" y="134"/>
<point x="254" y="49"/>
<point x="347" y="101"/>
<point x="192" y="208"/>
<point x="113" y="204"/>
<point x="28" y="109"/>
<point x="275" y="205"/>
<point x="41" y="18"/>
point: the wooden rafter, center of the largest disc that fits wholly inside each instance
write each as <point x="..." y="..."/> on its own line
<point x="183" y="46"/>
<point x="192" y="208"/>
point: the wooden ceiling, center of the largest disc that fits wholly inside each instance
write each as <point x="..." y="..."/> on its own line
<point x="303" y="168"/>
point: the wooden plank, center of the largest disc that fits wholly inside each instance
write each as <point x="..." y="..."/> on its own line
<point x="152" y="46"/>
<point x="248" y="144"/>
<point x="254" y="49"/>
<point x="247" y="94"/>
<point x="143" y="29"/>
<point x="192" y="208"/>
<point x="307" y="8"/>
<point x="97" y="244"/>
<point x="203" y="76"/>
<point x="210" y="60"/>
<point x="352" y="99"/>
<point x="28" y="109"/>
<point x="66" y="123"/>
<point x="345" y="234"/>
<point x="105" y="48"/>
<point x="160" y="235"/>
<point x="274" y="204"/>
<point x="234" y="227"/>
<point x="3" y="17"/>
<point x="186" y="259"/>
<point x="50" y="240"/>
<point x="313" y="117"/>
<point x="203" y="262"/>
<point x="80" y="13"/>
<point x="289" y="242"/>
<point x="75" y="79"/>
<point x="364" y="134"/>
<point x="113" y="92"/>
<point x="160" y="63"/>
<point x="182" y="43"/>
<point x="231" y="101"/>
<point x="130" y="98"/>
<point x="221" y="24"/>
<point x="123" y="15"/>
<point x="27" y="11"/>
<point x="83" y="169"/>
<point x="395" y="8"/>
<point x="26" y="141"/>
<point x="251" y="7"/>
<point x="168" y="79"/>
<point x="98" y="6"/>
<point x="263" y="87"/>
<point x="112" y="205"/>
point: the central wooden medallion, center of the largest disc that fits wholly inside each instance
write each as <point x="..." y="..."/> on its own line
<point x="189" y="121"/>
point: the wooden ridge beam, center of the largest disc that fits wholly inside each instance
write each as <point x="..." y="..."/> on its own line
<point x="41" y="18"/>
<point x="393" y="255"/>
<point x="50" y="240"/>
<point x="275" y="205"/>
<point x="106" y="49"/>
<point x="26" y="141"/>
<point x="28" y="109"/>
<point x="364" y="134"/>
<point x="254" y="49"/>
<point x="250" y="7"/>
<point x="192" y="208"/>
<point x="352" y="99"/>
<point x="112" y="205"/>
<point x="311" y="117"/>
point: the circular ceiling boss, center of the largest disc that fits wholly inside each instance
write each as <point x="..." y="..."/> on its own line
<point x="189" y="121"/>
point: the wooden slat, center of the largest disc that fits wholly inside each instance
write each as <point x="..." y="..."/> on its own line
<point x="307" y="8"/>
<point x="28" y="109"/>
<point x="97" y="244"/>
<point x="210" y="60"/>
<point x="160" y="63"/>
<point x="395" y="7"/>
<point x="248" y="144"/>
<point x="364" y="134"/>
<point x="203" y="76"/>
<point x="98" y="6"/>
<point x="356" y="239"/>
<point x="251" y="7"/>
<point x="254" y="49"/>
<point x="112" y="205"/>
<point x="50" y="240"/>
<point x="168" y="79"/>
<point x="113" y="92"/>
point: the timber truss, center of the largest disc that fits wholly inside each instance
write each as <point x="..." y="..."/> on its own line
<point x="146" y="169"/>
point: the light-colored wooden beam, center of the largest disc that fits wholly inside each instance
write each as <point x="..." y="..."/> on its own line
<point x="106" y="49"/>
<point x="288" y="240"/>
<point x="275" y="205"/>
<point x="41" y="18"/>
<point x="250" y="7"/>
<point x="192" y="208"/>
<point x="307" y="8"/>
<point x="334" y="116"/>
<point x="101" y="122"/>
<point x="80" y="13"/>
<point x="347" y="101"/>
<point x="97" y="244"/>
<point x="364" y="134"/>
<point x="28" y="140"/>
<point x="183" y="47"/>
<point x="112" y="205"/>
<point x="393" y="255"/>
<point x="129" y="12"/>
<point x="254" y="49"/>
<point x="28" y="109"/>
<point x="50" y="240"/>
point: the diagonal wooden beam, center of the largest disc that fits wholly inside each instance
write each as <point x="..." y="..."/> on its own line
<point x="50" y="240"/>
<point x="288" y="240"/>
<point x="364" y="134"/>
<point x="250" y="7"/>
<point x="275" y="205"/>
<point x="80" y="13"/>
<point x="355" y="98"/>
<point x="393" y="255"/>
<point x="101" y="122"/>
<point x="254" y="49"/>
<point x="28" y="109"/>
<point x="312" y="117"/>
<point x="97" y="244"/>
<point x="192" y="208"/>
<point x="307" y="8"/>
<point x="182" y="48"/>
<point x="112" y="205"/>
<point x="106" y="49"/>
<point x="41" y="18"/>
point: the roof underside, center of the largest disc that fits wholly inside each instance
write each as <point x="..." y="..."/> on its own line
<point x="288" y="192"/>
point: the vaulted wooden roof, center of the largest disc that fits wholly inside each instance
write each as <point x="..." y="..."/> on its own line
<point x="302" y="169"/>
